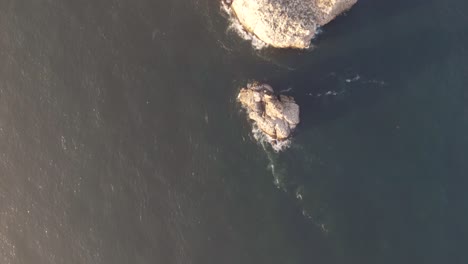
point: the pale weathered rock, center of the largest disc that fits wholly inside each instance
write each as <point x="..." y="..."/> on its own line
<point x="290" y="108"/>
<point x="282" y="129"/>
<point x="287" y="23"/>
<point x="275" y="116"/>
<point x="326" y="10"/>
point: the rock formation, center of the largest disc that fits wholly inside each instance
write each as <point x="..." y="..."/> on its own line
<point x="286" y="23"/>
<point x="276" y="116"/>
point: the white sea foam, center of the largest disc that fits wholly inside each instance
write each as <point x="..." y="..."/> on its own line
<point x="236" y="26"/>
<point x="276" y="145"/>
<point x="286" y="90"/>
<point x="356" y="78"/>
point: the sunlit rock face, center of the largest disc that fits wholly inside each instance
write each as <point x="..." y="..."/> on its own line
<point x="326" y="10"/>
<point x="287" y="23"/>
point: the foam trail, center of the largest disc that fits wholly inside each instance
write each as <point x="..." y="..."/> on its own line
<point x="285" y="182"/>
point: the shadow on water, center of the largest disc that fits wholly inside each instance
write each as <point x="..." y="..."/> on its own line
<point x="389" y="45"/>
<point x="322" y="79"/>
<point x="376" y="12"/>
<point x="348" y="92"/>
<point x="343" y="85"/>
<point x="407" y="53"/>
<point x="320" y="73"/>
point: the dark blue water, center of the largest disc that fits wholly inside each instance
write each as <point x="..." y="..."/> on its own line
<point x="121" y="140"/>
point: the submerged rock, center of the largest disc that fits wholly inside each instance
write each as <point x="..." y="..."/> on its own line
<point x="275" y="116"/>
<point x="287" y="23"/>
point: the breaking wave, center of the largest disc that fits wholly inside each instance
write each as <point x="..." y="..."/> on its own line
<point x="263" y="139"/>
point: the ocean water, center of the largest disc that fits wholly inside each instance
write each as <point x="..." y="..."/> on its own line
<point x="121" y="140"/>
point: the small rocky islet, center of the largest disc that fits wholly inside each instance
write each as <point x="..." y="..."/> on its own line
<point x="276" y="116"/>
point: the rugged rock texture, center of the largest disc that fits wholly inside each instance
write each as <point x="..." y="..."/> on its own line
<point x="276" y="116"/>
<point x="287" y="23"/>
<point x="326" y="10"/>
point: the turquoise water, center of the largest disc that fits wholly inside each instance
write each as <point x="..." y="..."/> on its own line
<point x="121" y="140"/>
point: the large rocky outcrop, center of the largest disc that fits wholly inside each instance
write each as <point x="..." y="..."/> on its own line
<point x="286" y="23"/>
<point x="276" y="116"/>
